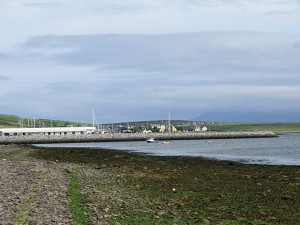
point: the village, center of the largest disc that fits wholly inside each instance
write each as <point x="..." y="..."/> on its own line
<point x="42" y="128"/>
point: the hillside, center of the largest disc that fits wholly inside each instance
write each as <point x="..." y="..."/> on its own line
<point x="7" y="121"/>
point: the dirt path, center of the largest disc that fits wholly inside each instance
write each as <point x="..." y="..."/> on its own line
<point x="32" y="191"/>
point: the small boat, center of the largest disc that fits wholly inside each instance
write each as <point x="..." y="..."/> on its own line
<point x="165" y="142"/>
<point x="152" y="140"/>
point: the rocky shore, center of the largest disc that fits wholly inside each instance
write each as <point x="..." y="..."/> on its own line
<point x="38" y="139"/>
<point x="119" y="187"/>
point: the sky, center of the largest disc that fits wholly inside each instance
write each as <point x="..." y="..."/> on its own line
<point x="141" y="59"/>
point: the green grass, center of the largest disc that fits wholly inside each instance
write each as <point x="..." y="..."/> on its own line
<point x="77" y="201"/>
<point x="275" y="127"/>
<point x="22" y="216"/>
<point x="8" y="120"/>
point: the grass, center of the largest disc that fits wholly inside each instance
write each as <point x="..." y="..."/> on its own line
<point x="10" y="121"/>
<point x="22" y="216"/>
<point x="77" y="201"/>
<point x="275" y="127"/>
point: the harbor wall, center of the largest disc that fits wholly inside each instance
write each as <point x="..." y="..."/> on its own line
<point x="43" y="139"/>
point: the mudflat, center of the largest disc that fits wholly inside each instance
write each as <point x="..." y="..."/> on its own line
<point x="90" y="186"/>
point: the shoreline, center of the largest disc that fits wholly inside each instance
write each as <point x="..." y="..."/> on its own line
<point x="44" y="139"/>
<point x="124" y="187"/>
<point x="210" y="158"/>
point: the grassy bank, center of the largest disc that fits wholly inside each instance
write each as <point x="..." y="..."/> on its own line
<point x="127" y="188"/>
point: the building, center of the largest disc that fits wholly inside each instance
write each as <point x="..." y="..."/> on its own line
<point x="46" y="131"/>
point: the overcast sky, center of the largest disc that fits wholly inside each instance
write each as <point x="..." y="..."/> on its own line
<point x="141" y="59"/>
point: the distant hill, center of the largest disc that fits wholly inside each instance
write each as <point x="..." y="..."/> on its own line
<point x="13" y="121"/>
<point x="249" y="117"/>
<point x="8" y="120"/>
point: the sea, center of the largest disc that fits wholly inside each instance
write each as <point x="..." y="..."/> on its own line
<point x="283" y="150"/>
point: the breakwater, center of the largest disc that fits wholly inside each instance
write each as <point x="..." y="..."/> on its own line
<point x="45" y="139"/>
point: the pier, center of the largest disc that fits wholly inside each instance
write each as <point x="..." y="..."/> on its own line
<point x="44" y="139"/>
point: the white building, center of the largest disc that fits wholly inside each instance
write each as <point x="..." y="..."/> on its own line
<point x="46" y="131"/>
<point x="204" y="129"/>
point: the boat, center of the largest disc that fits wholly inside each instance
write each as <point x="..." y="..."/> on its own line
<point x="152" y="140"/>
<point x="165" y="142"/>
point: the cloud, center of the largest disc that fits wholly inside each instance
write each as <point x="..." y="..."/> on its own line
<point x="297" y="44"/>
<point x="279" y="12"/>
<point x="120" y="76"/>
<point x="239" y="56"/>
<point x="122" y="56"/>
<point x="41" y="4"/>
<point x="79" y="17"/>
<point x="3" y="56"/>
<point x="3" y="78"/>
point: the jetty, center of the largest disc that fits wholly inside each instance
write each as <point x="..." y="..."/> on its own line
<point x="114" y="137"/>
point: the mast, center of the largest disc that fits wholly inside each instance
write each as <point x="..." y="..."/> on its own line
<point x="169" y="122"/>
<point x="95" y="122"/>
<point x="93" y="117"/>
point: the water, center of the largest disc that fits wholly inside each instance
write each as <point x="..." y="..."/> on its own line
<point x="284" y="150"/>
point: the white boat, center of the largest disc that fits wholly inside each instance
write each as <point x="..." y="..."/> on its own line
<point x="152" y="140"/>
<point x="165" y="142"/>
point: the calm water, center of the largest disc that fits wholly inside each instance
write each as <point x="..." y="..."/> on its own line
<point x="284" y="150"/>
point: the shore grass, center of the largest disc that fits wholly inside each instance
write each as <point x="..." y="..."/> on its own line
<point x="129" y="188"/>
<point x="77" y="201"/>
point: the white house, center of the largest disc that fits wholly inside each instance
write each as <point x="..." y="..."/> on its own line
<point x="204" y="128"/>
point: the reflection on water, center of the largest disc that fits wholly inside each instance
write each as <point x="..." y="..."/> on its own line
<point x="284" y="150"/>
